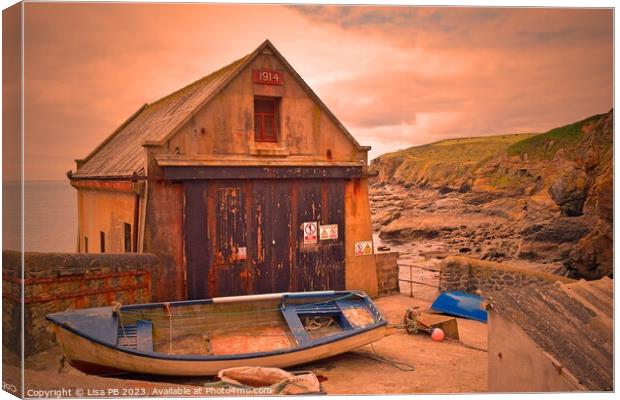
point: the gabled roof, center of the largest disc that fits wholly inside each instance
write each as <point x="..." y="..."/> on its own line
<point x="121" y="155"/>
<point x="570" y="321"/>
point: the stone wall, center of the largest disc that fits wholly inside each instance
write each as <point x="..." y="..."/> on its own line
<point x="60" y="281"/>
<point x="472" y="275"/>
<point x="387" y="273"/>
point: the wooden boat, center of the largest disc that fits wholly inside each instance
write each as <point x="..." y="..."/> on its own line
<point x="201" y="337"/>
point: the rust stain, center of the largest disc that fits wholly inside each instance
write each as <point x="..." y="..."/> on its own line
<point x="269" y="213"/>
<point x="259" y="234"/>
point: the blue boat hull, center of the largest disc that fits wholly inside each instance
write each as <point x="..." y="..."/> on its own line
<point x="461" y="304"/>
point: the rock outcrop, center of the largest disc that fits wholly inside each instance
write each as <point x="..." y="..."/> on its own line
<point x="537" y="198"/>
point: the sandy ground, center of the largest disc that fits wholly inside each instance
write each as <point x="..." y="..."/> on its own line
<point x="440" y="367"/>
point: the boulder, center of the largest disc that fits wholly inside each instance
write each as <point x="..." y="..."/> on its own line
<point x="569" y="191"/>
<point x="560" y="230"/>
<point x="592" y="256"/>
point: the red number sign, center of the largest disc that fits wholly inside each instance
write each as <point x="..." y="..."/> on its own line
<point x="267" y="77"/>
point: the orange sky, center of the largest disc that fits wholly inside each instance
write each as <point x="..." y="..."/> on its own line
<point x="395" y="76"/>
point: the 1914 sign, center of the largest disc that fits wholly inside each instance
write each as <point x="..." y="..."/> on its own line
<point x="267" y="77"/>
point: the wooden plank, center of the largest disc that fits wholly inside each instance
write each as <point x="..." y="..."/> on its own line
<point x="230" y="160"/>
<point x="144" y="335"/>
<point x="308" y="272"/>
<point x="195" y="224"/>
<point x="320" y="266"/>
<point x="227" y="202"/>
<point x="230" y="227"/>
<point x="232" y="172"/>
<point x="295" y="325"/>
<point x="272" y="224"/>
<point x="332" y="251"/>
<point x="446" y="323"/>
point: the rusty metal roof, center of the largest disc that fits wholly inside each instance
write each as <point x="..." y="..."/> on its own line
<point x="570" y="321"/>
<point x="121" y="155"/>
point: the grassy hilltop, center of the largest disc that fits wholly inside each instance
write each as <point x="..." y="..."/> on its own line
<point x="448" y="163"/>
<point x="487" y="163"/>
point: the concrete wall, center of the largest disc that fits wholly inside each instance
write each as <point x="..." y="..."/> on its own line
<point x="471" y="275"/>
<point x="56" y="282"/>
<point x="519" y="365"/>
<point x="360" y="271"/>
<point x="387" y="273"/>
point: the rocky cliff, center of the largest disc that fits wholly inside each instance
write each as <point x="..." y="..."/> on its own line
<point x="538" y="198"/>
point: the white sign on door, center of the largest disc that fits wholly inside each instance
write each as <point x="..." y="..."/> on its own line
<point x="310" y="232"/>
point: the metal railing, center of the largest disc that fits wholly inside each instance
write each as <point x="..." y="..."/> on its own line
<point x="411" y="281"/>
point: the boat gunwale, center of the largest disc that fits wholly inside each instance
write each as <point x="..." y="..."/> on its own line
<point x="216" y="300"/>
<point x="380" y="321"/>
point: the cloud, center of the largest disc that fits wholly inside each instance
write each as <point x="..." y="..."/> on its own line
<point x="395" y="76"/>
<point x="495" y="71"/>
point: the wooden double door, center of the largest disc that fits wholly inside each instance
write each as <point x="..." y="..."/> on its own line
<point x="247" y="236"/>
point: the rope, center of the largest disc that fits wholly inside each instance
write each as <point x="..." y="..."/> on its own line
<point x="316" y="323"/>
<point x="410" y="322"/>
<point x="116" y="307"/>
<point x="212" y="324"/>
<point x="167" y="306"/>
<point x="403" y="366"/>
<point x="469" y="346"/>
<point x="194" y="314"/>
<point x="401" y="328"/>
<point x="410" y="325"/>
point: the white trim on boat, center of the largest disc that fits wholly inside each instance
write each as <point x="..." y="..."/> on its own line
<point x="267" y="296"/>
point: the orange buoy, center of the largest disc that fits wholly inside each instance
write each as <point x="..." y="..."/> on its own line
<point x="437" y="335"/>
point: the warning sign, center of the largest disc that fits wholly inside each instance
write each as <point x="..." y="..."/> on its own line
<point x="310" y="232"/>
<point x="243" y="253"/>
<point x="363" y="248"/>
<point x="327" y="232"/>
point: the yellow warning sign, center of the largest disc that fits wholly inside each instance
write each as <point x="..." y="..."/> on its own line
<point x="327" y="232"/>
<point x="363" y="248"/>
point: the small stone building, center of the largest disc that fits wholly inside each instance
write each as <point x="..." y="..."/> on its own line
<point x="241" y="182"/>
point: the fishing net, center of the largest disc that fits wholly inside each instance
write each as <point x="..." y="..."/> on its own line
<point x="266" y="381"/>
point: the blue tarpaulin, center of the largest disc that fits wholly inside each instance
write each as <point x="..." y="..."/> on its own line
<point x="460" y="304"/>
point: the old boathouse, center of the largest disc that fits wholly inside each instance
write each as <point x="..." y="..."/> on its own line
<point x="241" y="182"/>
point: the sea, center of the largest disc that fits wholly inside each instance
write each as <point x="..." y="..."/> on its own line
<point x="50" y="216"/>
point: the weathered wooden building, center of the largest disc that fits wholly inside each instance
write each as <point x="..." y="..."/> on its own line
<point x="241" y="182"/>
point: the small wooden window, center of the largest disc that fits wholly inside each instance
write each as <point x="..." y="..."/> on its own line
<point x="85" y="244"/>
<point x="102" y="241"/>
<point x="266" y="119"/>
<point x="127" y="237"/>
